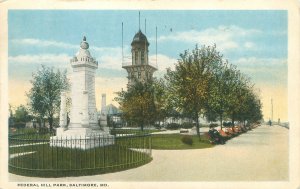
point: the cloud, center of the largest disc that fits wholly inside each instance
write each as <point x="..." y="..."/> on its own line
<point x="59" y="60"/>
<point x="257" y="63"/>
<point x="108" y="57"/>
<point x="43" y="43"/>
<point x="163" y="62"/>
<point x="249" y="45"/>
<point x="264" y="71"/>
<point x="226" y="37"/>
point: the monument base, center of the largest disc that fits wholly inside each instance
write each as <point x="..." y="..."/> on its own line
<point x="81" y="138"/>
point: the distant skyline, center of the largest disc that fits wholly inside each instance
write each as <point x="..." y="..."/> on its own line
<point x="255" y="41"/>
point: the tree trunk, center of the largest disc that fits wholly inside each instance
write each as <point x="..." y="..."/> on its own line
<point x="50" y="119"/>
<point x="232" y="121"/>
<point x="197" y="125"/>
<point x="221" y="120"/>
<point x="40" y="122"/>
<point x="142" y="126"/>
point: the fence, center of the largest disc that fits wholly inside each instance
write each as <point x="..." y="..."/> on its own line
<point x="32" y="154"/>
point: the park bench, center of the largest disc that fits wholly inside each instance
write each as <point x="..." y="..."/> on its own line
<point x="231" y="132"/>
<point x="243" y="129"/>
<point x="214" y="140"/>
<point x="224" y="135"/>
<point x="184" y="130"/>
<point x="237" y="130"/>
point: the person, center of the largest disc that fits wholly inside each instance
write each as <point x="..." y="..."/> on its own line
<point x="215" y="135"/>
<point x="270" y="122"/>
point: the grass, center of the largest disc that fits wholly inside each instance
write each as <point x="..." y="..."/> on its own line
<point x="173" y="142"/>
<point x="49" y="161"/>
<point x="133" y="131"/>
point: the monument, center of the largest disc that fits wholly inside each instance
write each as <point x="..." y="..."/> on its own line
<point x="83" y="131"/>
<point x="103" y="114"/>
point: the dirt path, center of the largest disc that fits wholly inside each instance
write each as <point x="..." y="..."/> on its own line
<point x="261" y="154"/>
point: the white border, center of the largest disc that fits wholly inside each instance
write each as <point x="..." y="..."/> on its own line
<point x="293" y="75"/>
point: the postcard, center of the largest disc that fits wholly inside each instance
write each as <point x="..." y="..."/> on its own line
<point x="153" y="94"/>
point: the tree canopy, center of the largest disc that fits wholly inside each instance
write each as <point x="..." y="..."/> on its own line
<point x="202" y="83"/>
<point x="44" y="96"/>
<point x="143" y="103"/>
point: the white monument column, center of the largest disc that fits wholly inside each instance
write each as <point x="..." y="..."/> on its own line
<point x="62" y="115"/>
<point x="63" y="111"/>
<point x="83" y="109"/>
<point x="103" y="104"/>
<point x="103" y="115"/>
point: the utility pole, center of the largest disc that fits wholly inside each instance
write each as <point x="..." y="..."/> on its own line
<point x="271" y="109"/>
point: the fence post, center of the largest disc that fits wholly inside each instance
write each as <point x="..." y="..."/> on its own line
<point x="43" y="141"/>
<point x="31" y="153"/>
<point x="71" y="153"/>
<point x="75" y="152"/>
<point x="80" y="153"/>
<point x="57" y="140"/>
<point x="61" y="150"/>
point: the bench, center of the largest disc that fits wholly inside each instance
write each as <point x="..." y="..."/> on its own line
<point x="223" y="134"/>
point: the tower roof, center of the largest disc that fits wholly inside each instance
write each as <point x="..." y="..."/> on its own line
<point x="139" y="38"/>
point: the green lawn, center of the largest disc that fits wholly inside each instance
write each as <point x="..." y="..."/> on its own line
<point x="133" y="131"/>
<point x="49" y="161"/>
<point x="46" y="161"/>
<point x="173" y="142"/>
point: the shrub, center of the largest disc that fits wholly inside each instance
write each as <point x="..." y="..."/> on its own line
<point x="213" y="124"/>
<point x="227" y="124"/>
<point x="43" y="130"/>
<point x="187" y="140"/>
<point x="157" y="126"/>
<point x="173" y="126"/>
<point x="187" y="125"/>
<point x="20" y="125"/>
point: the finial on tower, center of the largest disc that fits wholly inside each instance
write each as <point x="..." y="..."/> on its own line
<point x="84" y="44"/>
<point x="139" y="21"/>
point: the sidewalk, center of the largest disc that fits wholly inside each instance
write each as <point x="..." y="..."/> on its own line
<point x="258" y="155"/>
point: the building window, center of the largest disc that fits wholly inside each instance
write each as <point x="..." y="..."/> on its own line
<point x="136" y="57"/>
<point x="142" y="57"/>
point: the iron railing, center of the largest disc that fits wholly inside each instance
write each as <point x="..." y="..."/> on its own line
<point x="33" y="154"/>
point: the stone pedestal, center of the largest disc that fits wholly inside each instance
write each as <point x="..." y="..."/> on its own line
<point x="83" y="138"/>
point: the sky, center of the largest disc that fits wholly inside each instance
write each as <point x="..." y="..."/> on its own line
<point x="254" y="41"/>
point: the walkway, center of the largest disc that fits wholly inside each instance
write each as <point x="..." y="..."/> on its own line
<point x="258" y="155"/>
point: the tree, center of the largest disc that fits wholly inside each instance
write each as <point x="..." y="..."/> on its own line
<point x="22" y="114"/>
<point x="143" y="103"/>
<point x="188" y="85"/>
<point x="250" y="110"/>
<point x="44" y="96"/>
<point x="11" y="119"/>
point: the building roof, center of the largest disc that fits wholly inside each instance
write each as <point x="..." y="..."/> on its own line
<point x="139" y="38"/>
<point x="111" y="109"/>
